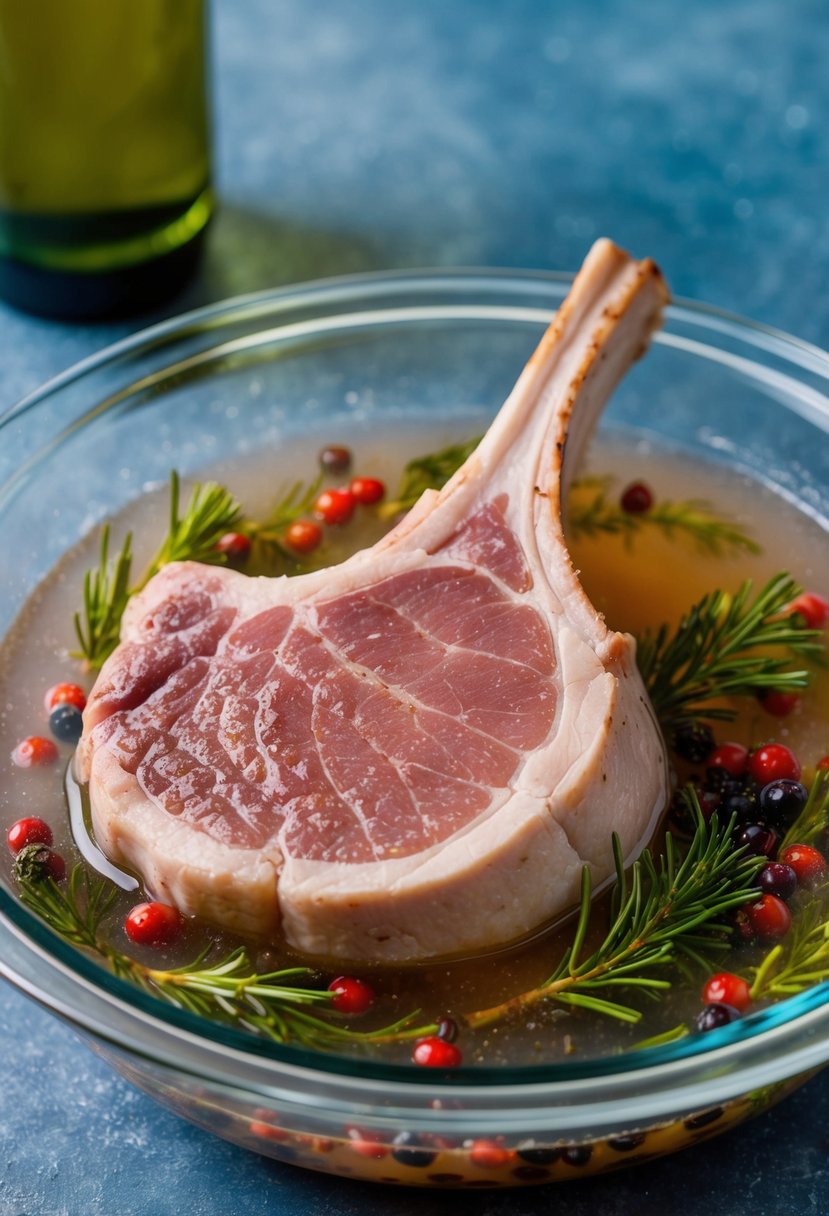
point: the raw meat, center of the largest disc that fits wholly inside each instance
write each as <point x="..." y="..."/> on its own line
<point x="414" y="753"/>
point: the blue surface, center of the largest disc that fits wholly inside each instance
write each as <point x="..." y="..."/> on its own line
<point x="463" y="133"/>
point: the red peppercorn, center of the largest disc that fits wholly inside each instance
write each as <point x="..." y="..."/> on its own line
<point x="28" y="831"/>
<point x="55" y="865"/>
<point x="234" y="545"/>
<point x="732" y="757"/>
<point x="769" y="917"/>
<point x="823" y="762"/>
<point x="636" y="498"/>
<point x="303" y="535"/>
<point x="433" y="1052"/>
<point x="267" y="1131"/>
<point x="367" y="490"/>
<point x="779" y="704"/>
<point x="351" y="995"/>
<point x="366" y="1144"/>
<point x="813" y="608"/>
<point x="726" y="989"/>
<point x="64" y="694"/>
<point x="153" y="924"/>
<point x="772" y="761"/>
<point x="489" y="1154"/>
<point x="808" y="863"/>
<point x="34" y="751"/>
<point x="335" y="506"/>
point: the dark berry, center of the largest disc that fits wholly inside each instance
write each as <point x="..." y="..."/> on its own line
<point x="778" y="879"/>
<point x="153" y="924"/>
<point x="732" y="758"/>
<point x="335" y="459"/>
<point x="636" y="498"/>
<point x="66" y="723"/>
<point x="65" y="694"/>
<point x="708" y="803"/>
<point x="351" y="995"/>
<point x="447" y="1030"/>
<point x="769" y="918"/>
<point x="716" y="1015"/>
<point x="28" y="831"/>
<point x="757" y="839"/>
<point x="743" y="805"/>
<point x="367" y="490"/>
<point x="577" y="1154"/>
<point x="537" y="1154"/>
<point x="626" y="1144"/>
<point x="433" y="1052"/>
<point x="693" y="741"/>
<point x="808" y="863"/>
<point x="411" y="1149"/>
<point x="782" y="801"/>
<point x="727" y="989"/>
<point x="772" y="761"/>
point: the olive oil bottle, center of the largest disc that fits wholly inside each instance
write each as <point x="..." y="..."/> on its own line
<point x="104" y="152"/>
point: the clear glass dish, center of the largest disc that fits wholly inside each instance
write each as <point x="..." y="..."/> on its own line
<point x="347" y="356"/>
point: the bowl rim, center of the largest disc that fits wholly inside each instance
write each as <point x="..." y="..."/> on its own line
<point x="682" y="1059"/>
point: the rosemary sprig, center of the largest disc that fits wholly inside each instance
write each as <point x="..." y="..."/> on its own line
<point x="719" y="650"/>
<point x="105" y="595"/>
<point x="799" y="963"/>
<point x="430" y="472"/>
<point x="814" y="818"/>
<point x="278" y="1004"/>
<point x="211" y="512"/>
<point x="297" y="501"/>
<point x="693" y="518"/>
<point x="664" y="911"/>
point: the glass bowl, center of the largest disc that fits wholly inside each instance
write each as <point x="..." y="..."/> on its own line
<point x="345" y="357"/>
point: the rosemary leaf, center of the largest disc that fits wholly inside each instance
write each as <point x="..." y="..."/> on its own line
<point x="430" y="472"/>
<point x="719" y="650"/>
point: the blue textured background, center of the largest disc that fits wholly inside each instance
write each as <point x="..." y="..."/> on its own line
<point x="467" y="132"/>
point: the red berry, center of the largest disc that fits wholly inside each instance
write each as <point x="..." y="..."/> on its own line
<point x="823" y="762"/>
<point x="335" y="506"/>
<point x="733" y="757"/>
<point x="808" y="864"/>
<point x="769" y="917"/>
<point x="637" y="498"/>
<point x="726" y="989"/>
<point x="28" y="831"/>
<point x="34" y="751"/>
<point x="351" y="995"/>
<point x="433" y="1052"/>
<point x="153" y="924"/>
<point x="266" y="1131"/>
<point x="234" y="545"/>
<point x="813" y="608"/>
<point x="367" y="490"/>
<point x="65" y="694"/>
<point x="335" y="459"/>
<point x="303" y="535"/>
<point x="489" y="1154"/>
<point x="772" y="761"/>
<point x="54" y="863"/>
<point x="779" y="704"/>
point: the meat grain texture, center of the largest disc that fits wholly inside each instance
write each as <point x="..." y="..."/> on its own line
<point x="412" y="754"/>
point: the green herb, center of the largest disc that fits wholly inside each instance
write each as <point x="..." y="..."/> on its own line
<point x="210" y="513"/>
<point x="813" y="820"/>
<point x="277" y="1004"/>
<point x="105" y="595"/>
<point x="430" y="472"/>
<point x="692" y="519"/>
<point x="665" y="911"/>
<point x="298" y="500"/>
<point x="719" y="650"/>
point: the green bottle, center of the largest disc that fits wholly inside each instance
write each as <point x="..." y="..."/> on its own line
<point x="104" y="152"/>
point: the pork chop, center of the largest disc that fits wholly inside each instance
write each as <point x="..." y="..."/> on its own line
<point x="411" y="754"/>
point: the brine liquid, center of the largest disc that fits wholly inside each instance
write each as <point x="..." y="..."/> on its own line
<point x="653" y="580"/>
